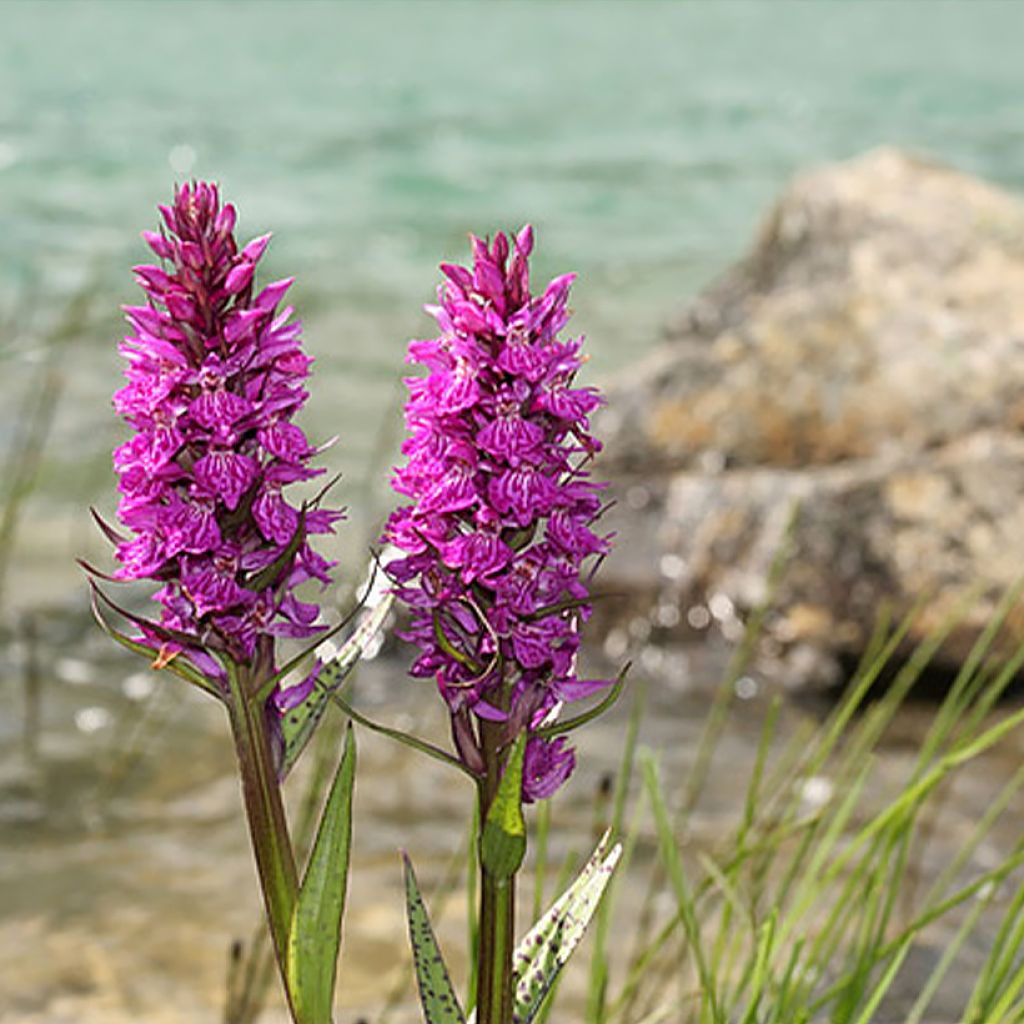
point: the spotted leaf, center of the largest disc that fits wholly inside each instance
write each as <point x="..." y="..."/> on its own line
<point x="440" y="1003"/>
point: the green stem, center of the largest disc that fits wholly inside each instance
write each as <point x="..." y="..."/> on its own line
<point x="497" y="906"/>
<point x="264" y="809"/>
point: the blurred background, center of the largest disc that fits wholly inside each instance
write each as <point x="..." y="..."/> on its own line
<point x="645" y="142"/>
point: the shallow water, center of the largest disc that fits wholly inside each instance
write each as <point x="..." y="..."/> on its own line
<point x="125" y="872"/>
<point x="644" y="141"/>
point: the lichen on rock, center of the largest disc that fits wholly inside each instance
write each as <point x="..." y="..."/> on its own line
<point x="865" y="360"/>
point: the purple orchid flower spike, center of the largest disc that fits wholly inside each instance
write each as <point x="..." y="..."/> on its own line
<point x="498" y="530"/>
<point x="216" y="374"/>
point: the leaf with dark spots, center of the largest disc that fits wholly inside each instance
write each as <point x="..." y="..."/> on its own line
<point x="437" y="996"/>
<point x="546" y="948"/>
<point x="300" y="722"/>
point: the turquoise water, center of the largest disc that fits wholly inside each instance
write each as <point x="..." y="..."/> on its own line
<point x="643" y="140"/>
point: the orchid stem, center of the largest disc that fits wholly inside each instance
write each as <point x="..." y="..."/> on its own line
<point x="264" y="810"/>
<point x="497" y="903"/>
<point x="497" y="908"/>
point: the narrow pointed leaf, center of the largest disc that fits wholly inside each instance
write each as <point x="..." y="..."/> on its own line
<point x="568" y="605"/>
<point x="503" y="843"/>
<point x="112" y="534"/>
<point x="405" y="738"/>
<point x="440" y="1003"/>
<point x="98" y="574"/>
<point x="156" y="628"/>
<point x="453" y="652"/>
<point x="334" y="672"/>
<point x="315" y="935"/>
<point x="300" y="722"/>
<point x="304" y="655"/>
<point x="571" y="724"/>
<point x="179" y="665"/>
<point x="293" y="663"/>
<point x="548" y="945"/>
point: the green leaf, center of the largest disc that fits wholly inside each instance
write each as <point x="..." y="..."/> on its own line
<point x="453" y="652"/>
<point x="440" y="1003"/>
<point x="178" y="665"/>
<point x="503" y="843"/>
<point x="571" y="724"/>
<point x="300" y="722"/>
<point x="315" y="935"/>
<point x="548" y="945"/>
<point x="405" y="738"/>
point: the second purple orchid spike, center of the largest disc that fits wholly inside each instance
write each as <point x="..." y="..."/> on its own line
<point x="498" y="530"/>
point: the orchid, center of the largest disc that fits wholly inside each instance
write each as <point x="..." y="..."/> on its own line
<point x="499" y="530"/>
<point x="495" y="545"/>
<point x="215" y="376"/>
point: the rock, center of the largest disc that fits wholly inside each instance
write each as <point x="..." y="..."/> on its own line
<point x="865" y="362"/>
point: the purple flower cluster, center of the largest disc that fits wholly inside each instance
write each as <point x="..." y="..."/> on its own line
<point x="499" y="526"/>
<point x="215" y="374"/>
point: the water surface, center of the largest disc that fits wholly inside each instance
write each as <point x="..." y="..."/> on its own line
<point x="644" y="140"/>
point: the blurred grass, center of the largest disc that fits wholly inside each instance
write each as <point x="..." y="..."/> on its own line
<point x="812" y="904"/>
<point x="34" y="413"/>
<point x="818" y="902"/>
<point x="808" y="909"/>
